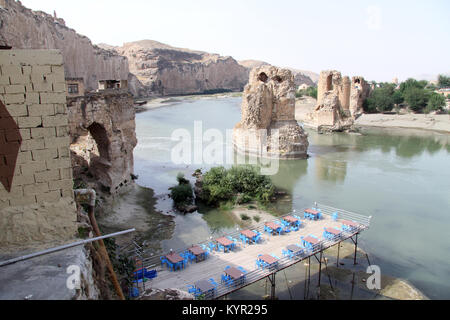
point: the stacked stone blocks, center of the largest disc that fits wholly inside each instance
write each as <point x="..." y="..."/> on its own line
<point x="32" y="88"/>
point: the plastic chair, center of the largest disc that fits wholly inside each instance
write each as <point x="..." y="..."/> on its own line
<point x="134" y="292"/>
<point x="191" y="289"/>
<point x="242" y="269"/>
<point x="213" y="282"/>
<point x="334" y="216"/>
<point x="227" y="267"/>
<point x="223" y="278"/>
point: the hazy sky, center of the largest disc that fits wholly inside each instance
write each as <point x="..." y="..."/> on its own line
<point x="379" y="40"/>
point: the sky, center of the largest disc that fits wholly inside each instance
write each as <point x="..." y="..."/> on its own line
<point x="379" y="40"/>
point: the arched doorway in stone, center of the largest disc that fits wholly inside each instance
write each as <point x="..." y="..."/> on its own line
<point x="329" y="83"/>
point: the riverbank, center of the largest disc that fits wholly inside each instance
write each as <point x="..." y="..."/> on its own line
<point x="136" y="209"/>
<point x="158" y="102"/>
<point x="434" y="122"/>
<point x="431" y="122"/>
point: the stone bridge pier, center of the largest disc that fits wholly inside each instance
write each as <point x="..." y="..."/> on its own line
<point x="102" y="128"/>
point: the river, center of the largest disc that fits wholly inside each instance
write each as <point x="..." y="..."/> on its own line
<point x="400" y="177"/>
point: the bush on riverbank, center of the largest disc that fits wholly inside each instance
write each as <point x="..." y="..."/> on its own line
<point x="241" y="184"/>
<point x="182" y="194"/>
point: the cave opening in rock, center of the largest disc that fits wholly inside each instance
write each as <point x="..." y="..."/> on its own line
<point x="263" y="77"/>
<point x="277" y="79"/>
<point x="357" y="81"/>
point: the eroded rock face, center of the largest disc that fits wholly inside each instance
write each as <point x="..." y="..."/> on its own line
<point x="102" y="128"/>
<point x="339" y="100"/>
<point x="23" y="28"/>
<point x="165" y="70"/>
<point x="268" y="116"/>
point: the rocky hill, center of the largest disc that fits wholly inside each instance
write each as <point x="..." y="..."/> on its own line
<point x="165" y="70"/>
<point x="23" y="28"/>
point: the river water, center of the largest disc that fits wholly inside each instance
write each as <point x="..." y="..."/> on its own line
<point x="400" y="177"/>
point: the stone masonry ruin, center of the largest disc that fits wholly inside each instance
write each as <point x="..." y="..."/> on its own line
<point x="102" y="130"/>
<point x="339" y="100"/>
<point x="268" y="106"/>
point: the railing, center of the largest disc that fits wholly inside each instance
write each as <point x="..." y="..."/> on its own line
<point x="149" y="261"/>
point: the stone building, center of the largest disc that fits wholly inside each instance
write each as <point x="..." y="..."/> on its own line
<point x="112" y="84"/>
<point x="75" y="87"/>
<point x="268" y="108"/>
<point x="36" y="188"/>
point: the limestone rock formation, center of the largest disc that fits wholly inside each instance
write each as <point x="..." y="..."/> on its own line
<point x="339" y="101"/>
<point x="166" y="70"/>
<point x="300" y="76"/>
<point x="268" y="107"/>
<point x="23" y="28"/>
<point x="102" y="128"/>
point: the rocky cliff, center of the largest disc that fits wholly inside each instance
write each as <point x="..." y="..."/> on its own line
<point x="165" y="70"/>
<point x="23" y="28"/>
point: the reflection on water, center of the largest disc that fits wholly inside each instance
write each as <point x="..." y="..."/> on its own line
<point x="400" y="177"/>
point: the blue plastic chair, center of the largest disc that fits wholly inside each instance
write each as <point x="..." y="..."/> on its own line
<point x="134" y="292"/>
<point x="227" y="267"/>
<point x="242" y="270"/>
<point x="223" y="278"/>
<point x="191" y="289"/>
<point x="334" y="216"/>
<point x="213" y="282"/>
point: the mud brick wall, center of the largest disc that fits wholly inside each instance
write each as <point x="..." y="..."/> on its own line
<point x="35" y="164"/>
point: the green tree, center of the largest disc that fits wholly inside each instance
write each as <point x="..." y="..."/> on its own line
<point x="436" y="102"/>
<point x="182" y="193"/>
<point x="443" y="81"/>
<point x="397" y="97"/>
<point x="380" y="100"/>
<point x="410" y="84"/>
<point x="416" y="98"/>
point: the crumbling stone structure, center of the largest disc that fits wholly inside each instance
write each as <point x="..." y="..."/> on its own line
<point x="36" y="187"/>
<point x="102" y="129"/>
<point x="268" y="106"/>
<point x="339" y="100"/>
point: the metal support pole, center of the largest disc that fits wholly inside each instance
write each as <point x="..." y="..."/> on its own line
<point x="337" y="262"/>
<point x="320" y="267"/>
<point x="272" y="289"/>
<point x="356" y="248"/>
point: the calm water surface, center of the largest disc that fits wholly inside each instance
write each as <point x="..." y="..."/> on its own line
<point x="400" y="177"/>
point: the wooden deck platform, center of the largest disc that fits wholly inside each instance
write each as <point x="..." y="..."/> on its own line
<point x="246" y="255"/>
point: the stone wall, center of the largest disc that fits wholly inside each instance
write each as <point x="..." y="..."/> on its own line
<point x="36" y="189"/>
<point x="102" y="128"/>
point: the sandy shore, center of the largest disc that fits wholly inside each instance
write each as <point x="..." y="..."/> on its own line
<point x="440" y="122"/>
